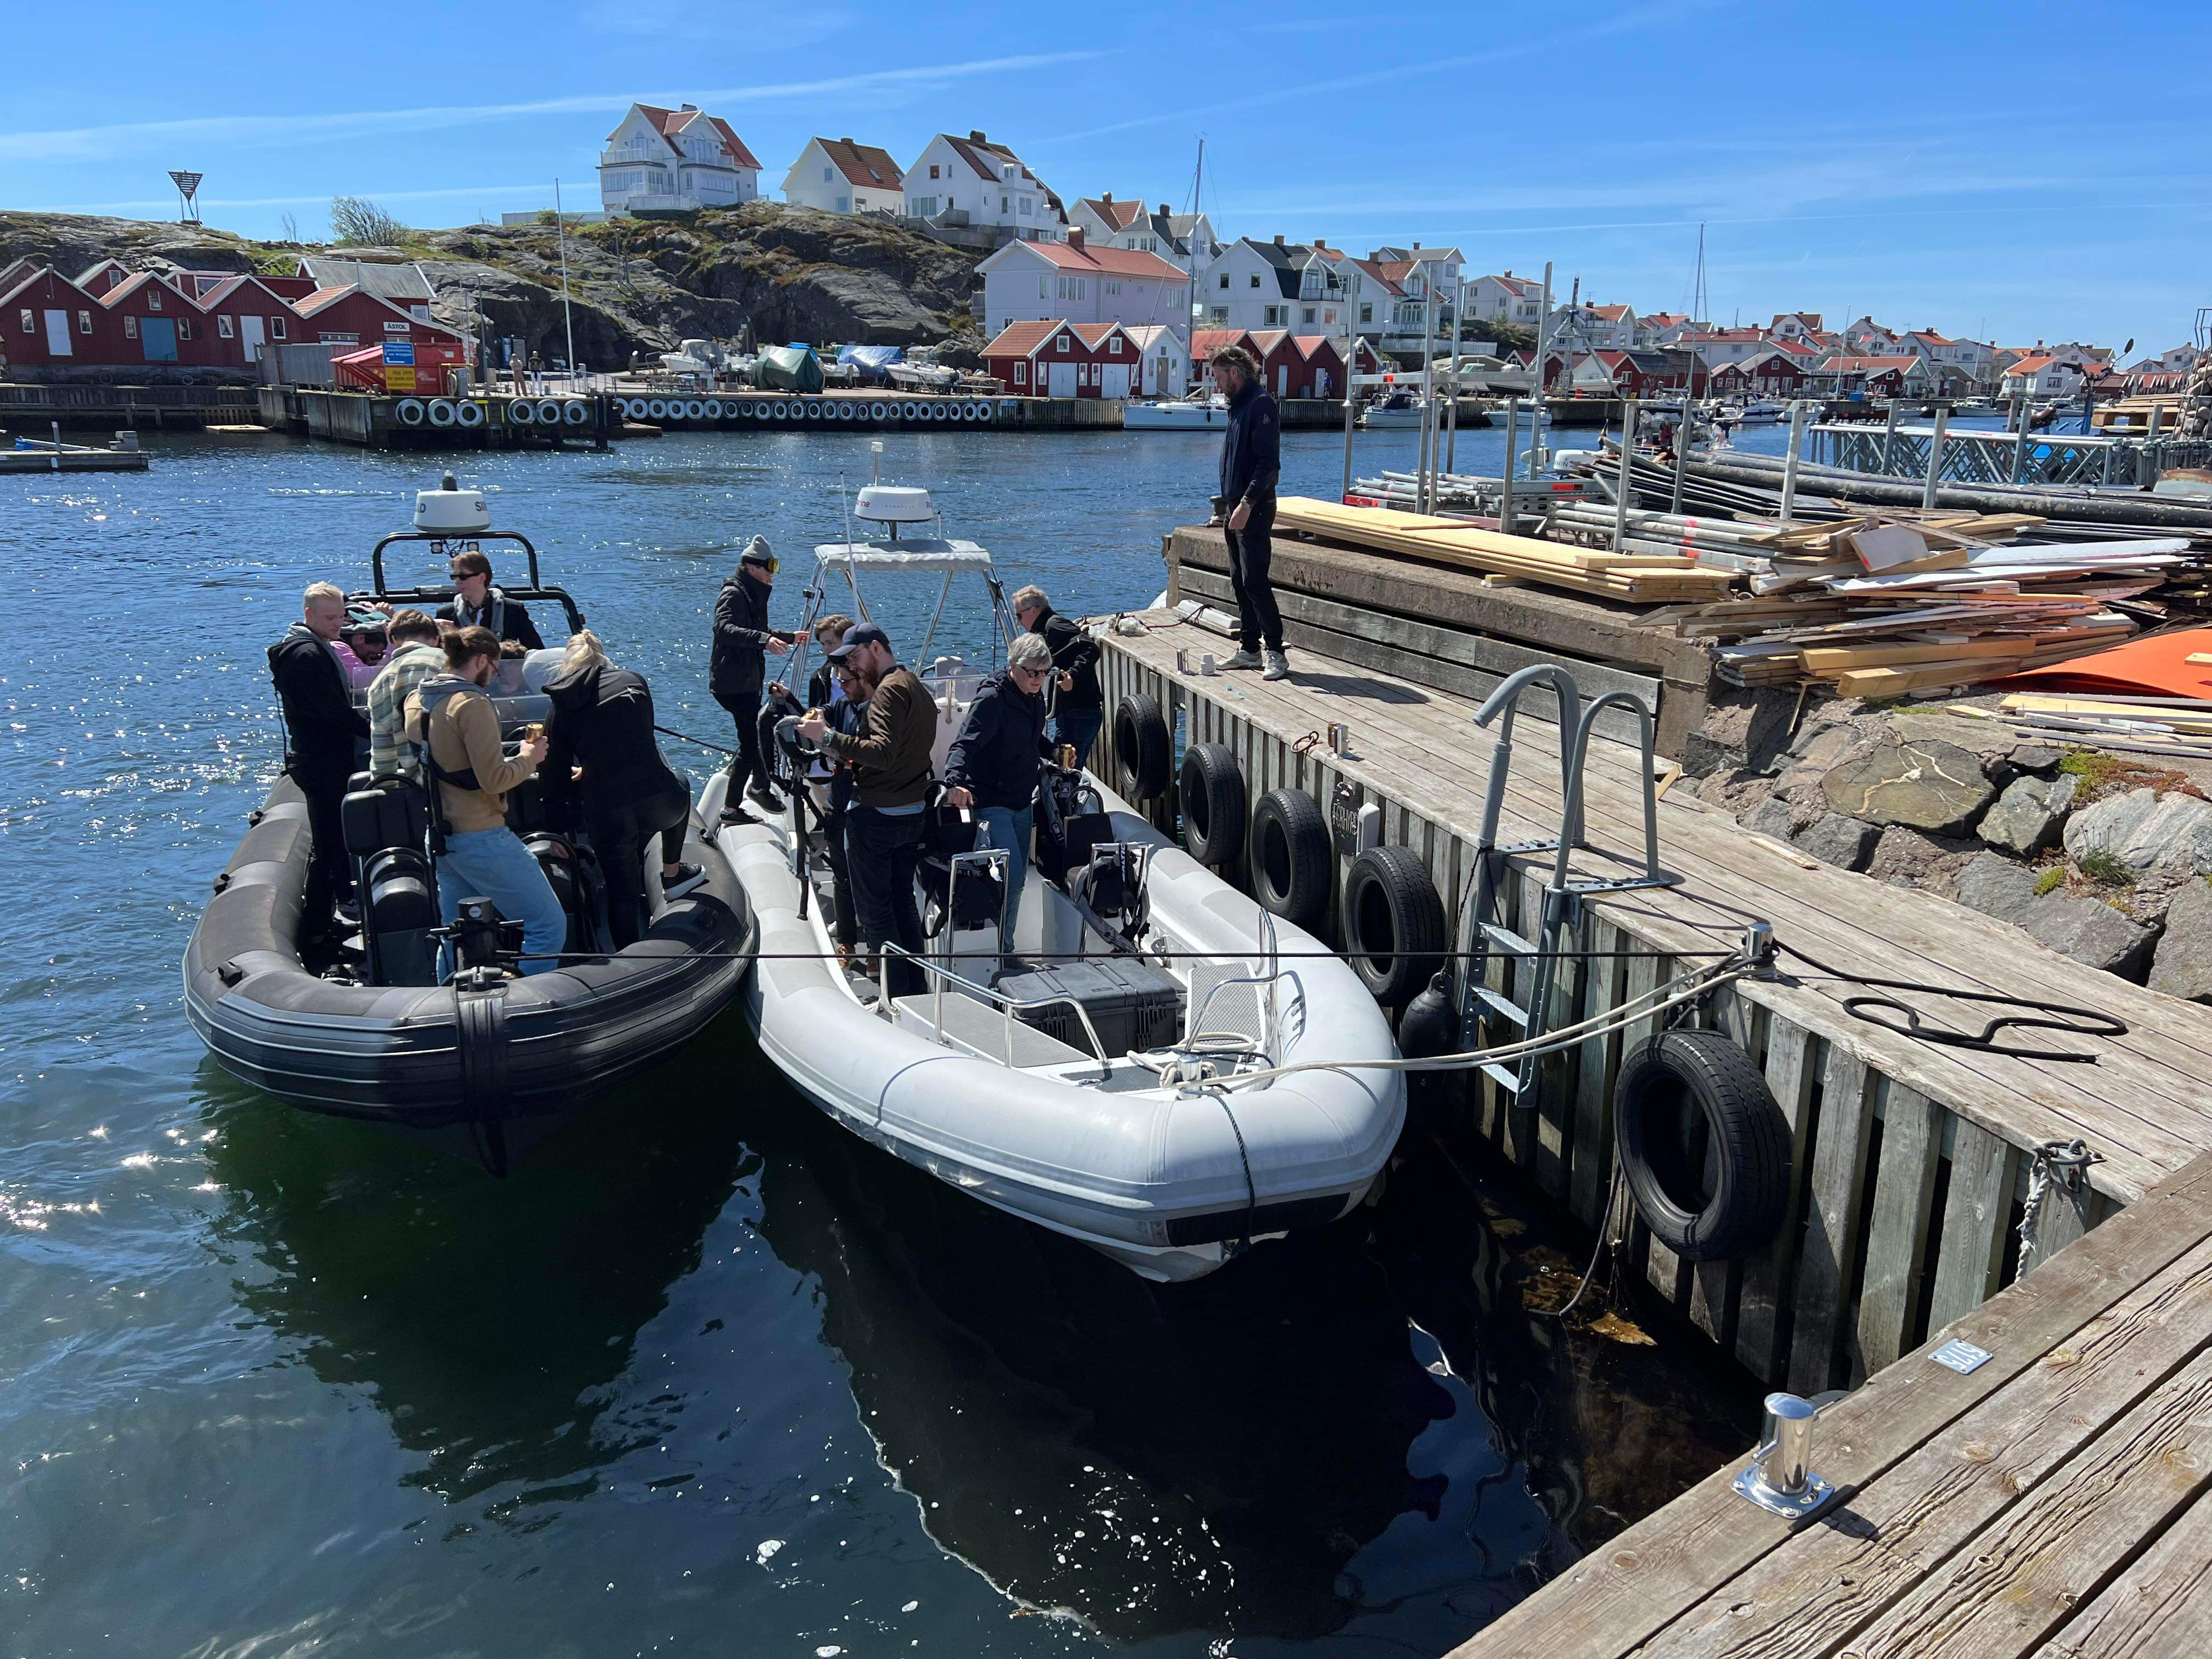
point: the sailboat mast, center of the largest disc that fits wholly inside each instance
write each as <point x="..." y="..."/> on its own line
<point x="1190" y="260"/>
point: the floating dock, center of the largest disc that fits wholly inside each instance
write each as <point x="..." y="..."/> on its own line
<point x="2035" y="1479"/>
<point x="45" y="456"/>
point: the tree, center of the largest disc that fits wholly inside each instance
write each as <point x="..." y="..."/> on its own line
<point x="290" y="221"/>
<point x="1509" y="337"/>
<point x="358" y="223"/>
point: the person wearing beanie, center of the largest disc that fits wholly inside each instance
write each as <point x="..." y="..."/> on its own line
<point x="743" y="643"/>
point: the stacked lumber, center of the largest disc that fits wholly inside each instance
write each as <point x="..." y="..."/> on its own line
<point x="2178" y="728"/>
<point x="1637" y="577"/>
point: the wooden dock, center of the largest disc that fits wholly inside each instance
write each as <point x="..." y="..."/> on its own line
<point x="2056" y="1500"/>
<point x="1912" y="1162"/>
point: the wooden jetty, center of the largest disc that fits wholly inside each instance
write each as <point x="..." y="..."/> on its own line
<point x="47" y="456"/>
<point x="2054" y="1500"/>
<point x="107" y="407"/>
<point x="1913" y="1161"/>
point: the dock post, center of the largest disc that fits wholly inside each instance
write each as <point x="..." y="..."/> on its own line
<point x="1505" y="491"/>
<point x="1934" y="457"/>
<point x="1536" y="410"/>
<point x="57" y="441"/>
<point x="1888" y="467"/>
<point x="1425" y="492"/>
<point x="2020" y="447"/>
<point x="1681" y="455"/>
<point x="1789" y="466"/>
<point x="1627" y="470"/>
<point x="1351" y="374"/>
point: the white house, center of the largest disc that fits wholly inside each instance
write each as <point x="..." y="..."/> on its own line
<point x="1437" y="268"/>
<point x="1866" y="338"/>
<point x="1504" y="297"/>
<point x="1596" y="328"/>
<point x="1166" y="360"/>
<point x="1794" y="325"/>
<point x="1074" y="282"/>
<point x="680" y="158"/>
<point x="987" y="182"/>
<point x="839" y="176"/>
<point x="1110" y="221"/>
<point x="1972" y="360"/>
<point x="1252" y="284"/>
<point x="2041" y="374"/>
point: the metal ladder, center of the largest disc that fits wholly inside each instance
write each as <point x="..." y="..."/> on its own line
<point x="1484" y="940"/>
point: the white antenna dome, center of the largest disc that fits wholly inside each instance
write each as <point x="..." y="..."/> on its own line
<point x="894" y="504"/>
<point x="451" y="510"/>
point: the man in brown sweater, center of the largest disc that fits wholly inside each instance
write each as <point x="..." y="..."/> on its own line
<point x="890" y="757"/>
<point x="452" y="719"/>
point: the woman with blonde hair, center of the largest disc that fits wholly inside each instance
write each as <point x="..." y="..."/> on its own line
<point x="604" y="772"/>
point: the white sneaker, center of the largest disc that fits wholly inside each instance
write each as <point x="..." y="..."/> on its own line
<point x="1278" y="666"/>
<point x="1241" y="660"/>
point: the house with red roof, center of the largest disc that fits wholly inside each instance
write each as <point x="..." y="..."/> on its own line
<point x="2044" y="374"/>
<point x="1076" y="281"/>
<point x="839" y="176"/>
<point x="243" y="313"/>
<point x="982" y="183"/>
<point x="1504" y="298"/>
<point x="1109" y="221"/>
<point x="1896" y="375"/>
<point x="674" y="160"/>
<point x="1778" y="372"/>
<point x="353" y="316"/>
<point x="1055" y="358"/>
<point x="1610" y="374"/>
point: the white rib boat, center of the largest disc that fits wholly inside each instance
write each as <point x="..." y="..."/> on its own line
<point x="1092" y="1087"/>
<point x="1178" y="415"/>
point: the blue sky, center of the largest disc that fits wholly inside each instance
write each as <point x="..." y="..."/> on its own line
<point x="2021" y="171"/>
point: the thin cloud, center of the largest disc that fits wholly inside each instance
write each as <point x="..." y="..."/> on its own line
<point x="86" y="144"/>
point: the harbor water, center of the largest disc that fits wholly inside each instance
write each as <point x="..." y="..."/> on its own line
<point x="706" y="1375"/>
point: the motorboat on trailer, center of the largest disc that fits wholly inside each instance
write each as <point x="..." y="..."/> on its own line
<point x="1161" y="1069"/>
<point x="419" y="1027"/>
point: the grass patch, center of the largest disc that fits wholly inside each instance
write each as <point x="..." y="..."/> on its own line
<point x="2105" y="869"/>
<point x="2050" y="880"/>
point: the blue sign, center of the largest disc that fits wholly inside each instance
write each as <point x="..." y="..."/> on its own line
<point x="399" y="351"/>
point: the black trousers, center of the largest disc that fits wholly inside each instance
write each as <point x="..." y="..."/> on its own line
<point x="881" y="856"/>
<point x="619" y="830"/>
<point x="1258" y="622"/>
<point x="847" y="930"/>
<point x="329" y="870"/>
<point x="749" y="768"/>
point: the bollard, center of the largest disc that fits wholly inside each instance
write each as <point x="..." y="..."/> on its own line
<point x="1779" y="1478"/>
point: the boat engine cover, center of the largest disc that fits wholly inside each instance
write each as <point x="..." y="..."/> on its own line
<point x="1131" y="1004"/>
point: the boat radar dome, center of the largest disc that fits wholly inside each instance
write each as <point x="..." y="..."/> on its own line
<point x="894" y="504"/>
<point x="451" y="510"/>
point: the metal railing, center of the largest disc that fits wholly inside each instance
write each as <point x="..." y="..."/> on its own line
<point x="1893" y="451"/>
<point x="1009" y="1006"/>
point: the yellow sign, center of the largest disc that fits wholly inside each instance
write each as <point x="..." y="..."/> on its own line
<point x="398" y="380"/>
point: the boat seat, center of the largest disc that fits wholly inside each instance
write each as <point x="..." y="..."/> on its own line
<point x="980" y="1028"/>
<point x="1236" y="1010"/>
<point x="374" y="819"/>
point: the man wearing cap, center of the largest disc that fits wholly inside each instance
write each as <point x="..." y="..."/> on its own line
<point x="478" y="604"/>
<point x="890" y="756"/>
<point x="991" y="768"/>
<point x="743" y="643"/>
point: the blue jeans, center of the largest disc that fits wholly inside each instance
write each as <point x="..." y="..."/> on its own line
<point x="1079" y="727"/>
<point x="494" y="864"/>
<point x="1011" y="831"/>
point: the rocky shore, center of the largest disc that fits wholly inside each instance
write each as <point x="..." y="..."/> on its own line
<point x="768" y="269"/>
<point x="2099" y="858"/>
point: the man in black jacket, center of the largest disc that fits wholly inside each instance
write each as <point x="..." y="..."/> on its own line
<point x="1078" y="707"/>
<point x="992" y="767"/>
<point x="321" y="731"/>
<point x="478" y="604"/>
<point x="1251" y="462"/>
<point x="743" y="643"/>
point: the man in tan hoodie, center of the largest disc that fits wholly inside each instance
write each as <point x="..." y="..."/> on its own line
<point x="450" y="716"/>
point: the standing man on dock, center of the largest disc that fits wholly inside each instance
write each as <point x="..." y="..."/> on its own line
<point x="1251" y="462"/>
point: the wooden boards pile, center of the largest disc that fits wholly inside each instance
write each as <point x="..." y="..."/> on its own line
<point x="1638" y="578"/>
<point x="2178" y="728"/>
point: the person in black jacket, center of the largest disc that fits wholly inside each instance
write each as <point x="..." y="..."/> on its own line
<point x="743" y="642"/>
<point x="323" y="731"/>
<point x="1251" y="463"/>
<point x="603" y="769"/>
<point x="1078" y="706"/>
<point x="476" y="603"/>
<point x="992" y="767"/>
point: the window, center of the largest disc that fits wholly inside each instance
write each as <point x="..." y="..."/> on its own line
<point x="932" y="170"/>
<point x="225" y="328"/>
<point x="825" y="179"/>
<point x="183" y="328"/>
<point x="1026" y="205"/>
<point x="84" y="322"/>
<point x="1224" y="280"/>
<point x="130" y="325"/>
<point x="1044" y="288"/>
<point x="1255" y="279"/>
<point x="1002" y="204"/>
<point x="1306" y="315"/>
<point x="1113" y="346"/>
<point x="1022" y="377"/>
<point x="276" y="328"/>
<point x="30" y="321"/>
<point x="1367" y="315"/>
<point x="1219" y="314"/>
<point x="152" y="298"/>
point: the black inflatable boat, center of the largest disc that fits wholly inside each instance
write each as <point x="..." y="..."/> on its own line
<point x="417" y="1026"/>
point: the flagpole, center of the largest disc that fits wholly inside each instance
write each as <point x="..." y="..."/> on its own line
<point x="568" y="324"/>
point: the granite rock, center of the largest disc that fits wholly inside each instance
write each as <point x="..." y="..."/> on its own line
<point x="2146" y="831"/>
<point x="1925" y="785"/>
<point x="2183" y="966"/>
<point x="2028" y="816"/>
<point x="2087" y="929"/>
<point x="1834" y="839"/>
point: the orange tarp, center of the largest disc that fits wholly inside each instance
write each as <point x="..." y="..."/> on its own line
<point x="2154" y="665"/>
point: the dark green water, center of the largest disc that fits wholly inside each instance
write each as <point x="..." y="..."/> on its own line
<point x="706" y="1376"/>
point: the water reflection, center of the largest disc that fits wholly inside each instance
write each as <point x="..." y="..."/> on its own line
<point x="490" y="1321"/>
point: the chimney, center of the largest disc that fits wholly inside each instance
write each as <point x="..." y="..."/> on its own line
<point x="693" y="107"/>
<point x="1278" y="241"/>
<point x="1417" y="247"/>
<point x="1075" y="237"/>
<point x="848" y="143"/>
<point x="976" y="137"/>
<point x="1107" y="197"/>
<point x="1163" y="210"/>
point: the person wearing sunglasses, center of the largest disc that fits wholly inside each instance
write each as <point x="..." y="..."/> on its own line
<point x="739" y="669"/>
<point x="992" y="767"/>
<point x="478" y="604"/>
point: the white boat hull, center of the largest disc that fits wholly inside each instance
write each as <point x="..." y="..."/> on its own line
<point x="1174" y="418"/>
<point x="1170" y="1185"/>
